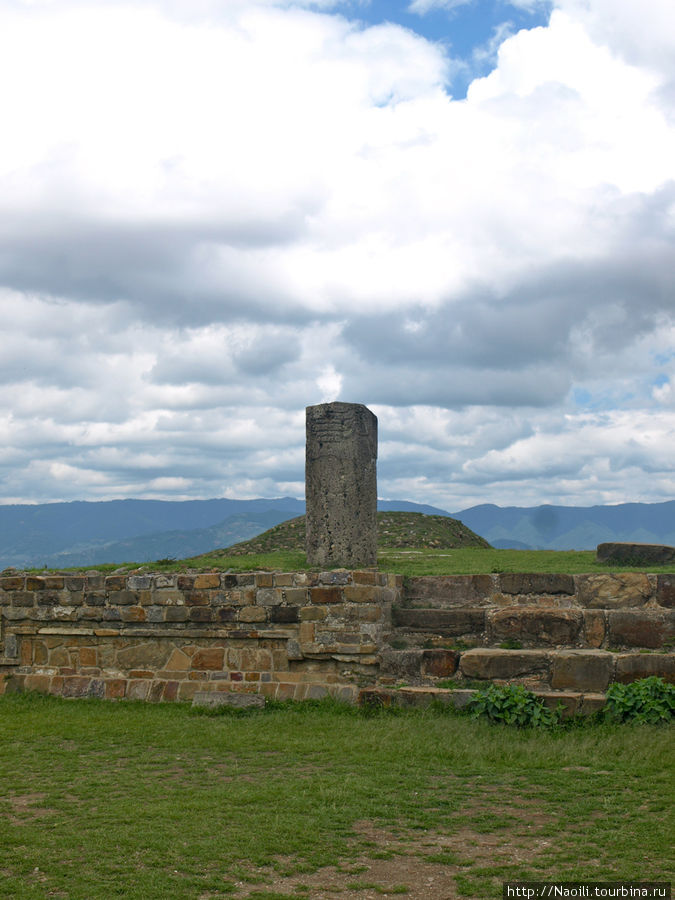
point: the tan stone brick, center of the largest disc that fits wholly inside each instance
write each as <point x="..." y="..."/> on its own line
<point x="40" y="653"/>
<point x="177" y="662"/>
<point x="138" y="689"/>
<point x="252" y="614"/>
<point x="133" y="614"/>
<point x="205" y="581"/>
<point x="323" y="595"/>
<point x="296" y="596"/>
<point x="88" y="656"/>
<point x="285" y="691"/>
<point x="208" y="658"/>
<point x="39" y="683"/>
<point x="365" y="577"/>
<point x="264" y="579"/>
<point x="361" y="593"/>
<point x="613" y="591"/>
<point x="313" y="613"/>
<point x="582" y="670"/>
<point x="594" y="627"/>
<point x="283" y="579"/>
<point x="307" y="632"/>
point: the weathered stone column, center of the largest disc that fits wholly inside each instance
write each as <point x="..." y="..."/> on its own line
<point x="341" y="485"/>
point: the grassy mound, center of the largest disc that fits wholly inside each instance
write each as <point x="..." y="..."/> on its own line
<point x="395" y="530"/>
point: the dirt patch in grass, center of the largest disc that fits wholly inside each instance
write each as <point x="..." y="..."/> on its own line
<point x="25" y="809"/>
<point x="387" y="863"/>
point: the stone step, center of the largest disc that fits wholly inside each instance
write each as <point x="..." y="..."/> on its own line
<point x="542" y="669"/>
<point x="573" y="702"/>
<point x="536" y="626"/>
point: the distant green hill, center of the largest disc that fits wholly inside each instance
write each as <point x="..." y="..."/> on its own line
<point x="395" y="529"/>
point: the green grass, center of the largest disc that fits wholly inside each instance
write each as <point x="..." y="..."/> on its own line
<point x="142" y="801"/>
<point x="406" y="562"/>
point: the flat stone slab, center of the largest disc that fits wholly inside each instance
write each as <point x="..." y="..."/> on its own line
<point x="574" y="702"/>
<point x="216" y="699"/>
<point x="635" y="554"/>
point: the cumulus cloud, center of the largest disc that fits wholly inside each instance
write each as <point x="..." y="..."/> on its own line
<point x="213" y="215"/>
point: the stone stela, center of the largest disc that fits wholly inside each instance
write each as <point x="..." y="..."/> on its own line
<point x="341" y="485"/>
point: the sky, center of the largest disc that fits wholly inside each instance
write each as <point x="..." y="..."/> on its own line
<point x="461" y="213"/>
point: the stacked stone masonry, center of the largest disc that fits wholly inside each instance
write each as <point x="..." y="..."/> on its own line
<point x="305" y="635"/>
<point x="165" y="637"/>
<point x="548" y="632"/>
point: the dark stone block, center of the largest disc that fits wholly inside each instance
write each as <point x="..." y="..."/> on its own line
<point x="439" y="663"/>
<point x="449" y="590"/>
<point x="582" y="670"/>
<point x="504" y="664"/>
<point x="632" y="666"/>
<point x="284" y="614"/>
<point x="535" y="625"/>
<point x="441" y="621"/>
<point x="536" y="583"/>
<point x="640" y="627"/>
<point x="665" y="591"/>
<point x="624" y="553"/>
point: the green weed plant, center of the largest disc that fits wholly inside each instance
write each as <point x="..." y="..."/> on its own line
<point x="512" y="704"/>
<point x="647" y="701"/>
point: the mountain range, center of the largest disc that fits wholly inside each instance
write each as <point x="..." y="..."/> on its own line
<point x="83" y="533"/>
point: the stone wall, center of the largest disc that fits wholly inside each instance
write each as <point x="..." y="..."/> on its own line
<point x="305" y="635"/>
<point x="165" y="637"/>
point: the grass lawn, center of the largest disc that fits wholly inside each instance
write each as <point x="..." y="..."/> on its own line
<point x="143" y="801"/>
<point x="409" y="562"/>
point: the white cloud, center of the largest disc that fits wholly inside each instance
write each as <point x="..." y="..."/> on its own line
<point x="214" y="215"/>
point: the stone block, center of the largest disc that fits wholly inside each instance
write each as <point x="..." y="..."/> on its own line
<point x="175" y="614"/>
<point x="123" y="598"/>
<point x="252" y="614"/>
<point x="488" y="663"/>
<point x="325" y="595"/>
<point x="571" y="701"/>
<point x="595" y="627"/>
<point x="269" y="597"/>
<point x="361" y="593"/>
<point x="162" y="582"/>
<point x="138" y="689"/>
<point x="115" y="583"/>
<point x="582" y="670"/>
<point x="12" y="583"/>
<point x="143" y="655"/>
<point x="665" y="591"/>
<point x="537" y="625"/>
<point x="201" y="614"/>
<point x="236" y="700"/>
<point x="591" y="703"/>
<point x="207" y="581"/>
<point x="618" y="591"/>
<point x="536" y="583"/>
<point x="449" y="590"/>
<point x="441" y="621"/>
<point x="639" y="628"/>
<point x="632" y="666"/>
<point x="401" y="663"/>
<point x="338" y="576"/>
<point x="209" y="658"/>
<point x="76" y="686"/>
<point x="285" y="614"/>
<point x="295" y="596"/>
<point x="439" y="663"/>
<point x="623" y="553"/>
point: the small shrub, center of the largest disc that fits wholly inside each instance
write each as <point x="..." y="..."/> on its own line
<point x="511" y="644"/>
<point x="647" y="701"/>
<point x="512" y="704"/>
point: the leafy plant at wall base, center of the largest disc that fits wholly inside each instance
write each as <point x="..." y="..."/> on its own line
<point x="647" y="701"/>
<point x="512" y="704"/>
